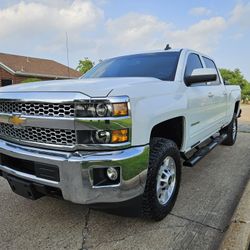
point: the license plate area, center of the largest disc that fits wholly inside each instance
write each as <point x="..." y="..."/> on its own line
<point x="23" y="188"/>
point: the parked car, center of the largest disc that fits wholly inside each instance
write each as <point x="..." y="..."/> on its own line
<point x="119" y="132"/>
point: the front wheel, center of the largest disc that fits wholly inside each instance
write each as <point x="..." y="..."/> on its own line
<point x="163" y="179"/>
<point x="231" y="131"/>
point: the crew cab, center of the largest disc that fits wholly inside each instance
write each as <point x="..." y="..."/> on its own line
<point x="120" y="132"/>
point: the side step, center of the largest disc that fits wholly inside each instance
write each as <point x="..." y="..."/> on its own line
<point x="202" y="152"/>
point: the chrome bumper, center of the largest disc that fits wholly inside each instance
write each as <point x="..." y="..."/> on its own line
<point x="75" y="171"/>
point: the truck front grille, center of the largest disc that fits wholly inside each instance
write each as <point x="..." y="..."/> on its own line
<point x="40" y="135"/>
<point x="38" y="109"/>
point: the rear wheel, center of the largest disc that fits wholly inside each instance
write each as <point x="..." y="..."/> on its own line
<point x="163" y="179"/>
<point x="231" y="131"/>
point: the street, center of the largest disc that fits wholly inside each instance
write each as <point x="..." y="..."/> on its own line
<point x="209" y="193"/>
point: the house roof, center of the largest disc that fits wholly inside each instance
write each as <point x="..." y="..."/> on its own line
<point x="36" y="67"/>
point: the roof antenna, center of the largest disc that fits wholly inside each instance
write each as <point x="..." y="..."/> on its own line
<point x="67" y="48"/>
<point x="167" y="47"/>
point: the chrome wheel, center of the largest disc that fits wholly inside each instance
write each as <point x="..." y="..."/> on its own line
<point x="234" y="129"/>
<point x="166" y="180"/>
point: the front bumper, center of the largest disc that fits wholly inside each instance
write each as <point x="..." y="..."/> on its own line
<point x="76" y="183"/>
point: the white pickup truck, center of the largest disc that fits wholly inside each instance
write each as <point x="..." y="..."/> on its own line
<point x="118" y="133"/>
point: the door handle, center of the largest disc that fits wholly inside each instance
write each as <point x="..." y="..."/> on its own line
<point x="225" y="93"/>
<point x="210" y="94"/>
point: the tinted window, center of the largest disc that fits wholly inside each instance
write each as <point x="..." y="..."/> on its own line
<point x="193" y="62"/>
<point x="159" y="65"/>
<point x="211" y="65"/>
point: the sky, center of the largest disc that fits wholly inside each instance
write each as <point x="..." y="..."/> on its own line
<point x="100" y="29"/>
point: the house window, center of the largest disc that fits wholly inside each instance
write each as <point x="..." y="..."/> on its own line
<point x="6" y="82"/>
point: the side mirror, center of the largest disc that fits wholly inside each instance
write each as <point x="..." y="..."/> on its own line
<point x="201" y="75"/>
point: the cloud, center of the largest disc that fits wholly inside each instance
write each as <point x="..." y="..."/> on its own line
<point x="202" y="36"/>
<point x="136" y="31"/>
<point x="29" y="18"/>
<point x="39" y="28"/>
<point x="102" y="2"/>
<point x="200" y="11"/>
<point x="240" y="15"/>
<point x="237" y="36"/>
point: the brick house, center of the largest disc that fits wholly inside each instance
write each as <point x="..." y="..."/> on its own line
<point x="15" y="69"/>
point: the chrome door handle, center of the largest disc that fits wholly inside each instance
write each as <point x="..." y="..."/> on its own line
<point x="210" y="94"/>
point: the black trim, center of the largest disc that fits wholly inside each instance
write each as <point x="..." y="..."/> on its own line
<point x="239" y="115"/>
<point x="189" y="80"/>
<point x="215" y="66"/>
<point x="185" y="72"/>
<point x="41" y="170"/>
<point x="196" y="144"/>
<point x="29" y="189"/>
<point x="203" y="151"/>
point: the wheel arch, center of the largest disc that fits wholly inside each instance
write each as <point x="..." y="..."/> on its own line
<point x="172" y="129"/>
<point x="237" y="108"/>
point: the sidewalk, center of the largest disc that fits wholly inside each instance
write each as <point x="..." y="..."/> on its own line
<point x="238" y="234"/>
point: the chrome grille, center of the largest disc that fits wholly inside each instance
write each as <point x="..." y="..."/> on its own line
<point x="40" y="135"/>
<point x="38" y="109"/>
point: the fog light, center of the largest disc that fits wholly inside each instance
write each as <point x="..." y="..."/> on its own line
<point x="112" y="173"/>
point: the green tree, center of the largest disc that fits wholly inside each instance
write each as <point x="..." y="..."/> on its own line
<point x="234" y="77"/>
<point x="31" y="80"/>
<point x="85" y="65"/>
<point x="237" y="78"/>
<point x="245" y="93"/>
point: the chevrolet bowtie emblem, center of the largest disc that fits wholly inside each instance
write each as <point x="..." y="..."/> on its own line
<point x="16" y="120"/>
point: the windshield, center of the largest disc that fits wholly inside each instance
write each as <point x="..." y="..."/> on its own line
<point x="159" y="65"/>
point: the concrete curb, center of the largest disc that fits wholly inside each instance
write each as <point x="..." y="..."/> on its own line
<point x="238" y="233"/>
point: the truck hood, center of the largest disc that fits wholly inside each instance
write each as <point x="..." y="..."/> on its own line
<point x="95" y="87"/>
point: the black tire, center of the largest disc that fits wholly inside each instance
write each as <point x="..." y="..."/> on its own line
<point x="160" y="148"/>
<point x="229" y="130"/>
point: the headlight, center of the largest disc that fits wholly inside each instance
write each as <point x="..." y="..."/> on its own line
<point x="102" y="109"/>
<point x="112" y="136"/>
<point x="103" y="121"/>
<point x="103" y="136"/>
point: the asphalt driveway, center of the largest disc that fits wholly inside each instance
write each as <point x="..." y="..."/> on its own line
<point x="208" y="196"/>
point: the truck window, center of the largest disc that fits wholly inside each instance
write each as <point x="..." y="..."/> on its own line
<point x="211" y="65"/>
<point x="158" y="65"/>
<point x="193" y="62"/>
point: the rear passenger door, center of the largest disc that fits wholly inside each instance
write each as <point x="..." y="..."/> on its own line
<point x="200" y="108"/>
<point x="219" y="99"/>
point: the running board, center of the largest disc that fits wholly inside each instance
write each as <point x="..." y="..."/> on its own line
<point x="202" y="152"/>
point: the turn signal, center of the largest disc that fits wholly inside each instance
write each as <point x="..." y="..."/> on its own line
<point x="119" y="136"/>
<point x="120" y="109"/>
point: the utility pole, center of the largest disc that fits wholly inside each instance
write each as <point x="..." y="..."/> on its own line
<point x="67" y="49"/>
